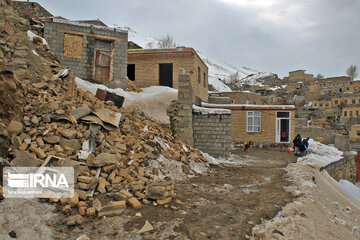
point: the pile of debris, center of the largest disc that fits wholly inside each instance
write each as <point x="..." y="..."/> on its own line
<point x="114" y="151"/>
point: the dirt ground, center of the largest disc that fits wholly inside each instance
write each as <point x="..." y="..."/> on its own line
<point x="225" y="204"/>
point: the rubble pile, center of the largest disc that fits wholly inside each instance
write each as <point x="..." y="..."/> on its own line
<point x="115" y="152"/>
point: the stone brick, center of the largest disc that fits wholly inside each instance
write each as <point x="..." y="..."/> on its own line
<point x="135" y="203"/>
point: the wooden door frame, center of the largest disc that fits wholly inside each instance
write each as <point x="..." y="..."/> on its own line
<point x="111" y="74"/>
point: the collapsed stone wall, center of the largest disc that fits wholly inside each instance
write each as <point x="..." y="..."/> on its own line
<point x="343" y="169"/>
<point x="311" y="132"/>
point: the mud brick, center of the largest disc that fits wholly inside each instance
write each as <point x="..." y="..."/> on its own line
<point x="140" y="195"/>
<point x="82" y="211"/>
<point x="96" y="204"/>
<point x="100" y="94"/>
<point x="74" y="200"/>
<point x="58" y="148"/>
<point x="108" y="168"/>
<point x="40" y="142"/>
<point x="40" y="153"/>
<point x="64" y="200"/>
<point x="82" y="195"/>
<point x="76" y="219"/>
<point x="125" y="195"/>
<point x="66" y="209"/>
<point x="81" y="204"/>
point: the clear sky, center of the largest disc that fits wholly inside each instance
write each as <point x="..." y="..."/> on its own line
<point x="320" y="36"/>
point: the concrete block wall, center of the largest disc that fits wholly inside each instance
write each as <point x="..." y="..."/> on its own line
<point x="83" y="67"/>
<point x="209" y="131"/>
<point x="212" y="133"/>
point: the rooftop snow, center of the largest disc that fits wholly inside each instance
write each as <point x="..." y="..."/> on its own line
<point x="203" y="110"/>
<point x="211" y="105"/>
<point x="56" y="20"/>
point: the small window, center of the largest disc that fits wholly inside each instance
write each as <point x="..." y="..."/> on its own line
<point x="355" y="89"/>
<point x="321" y="104"/>
<point x="253" y="121"/>
<point x="181" y="71"/>
<point x="315" y="94"/>
<point x="357" y="113"/>
<point x="326" y="104"/>
<point x="347" y="89"/>
<point x="284" y="114"/>
<point x="204" y="80"/>
<point x="315" y="104"/>
<point x="199" y="75"/>
<point x="351" y="113"/>
<point x="345" y="101"/>
<point x="353" y="101"/>
<point x="359" y="100"/>
<point x="345" y="113"/>
<point x="336" y="101"/>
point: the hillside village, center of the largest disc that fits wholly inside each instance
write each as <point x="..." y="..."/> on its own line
<point x="156" y="137"/>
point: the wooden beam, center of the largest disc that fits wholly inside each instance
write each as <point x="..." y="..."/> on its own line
<point x="90" y="35"/>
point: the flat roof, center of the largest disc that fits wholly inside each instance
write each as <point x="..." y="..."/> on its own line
<point x="245" y="106"/>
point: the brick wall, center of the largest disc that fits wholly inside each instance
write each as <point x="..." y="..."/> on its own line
<point x="212" y="132"/>
<point x="267" y="127"/>
<point x="147" y="67"/>
<point x="82" y="66"/>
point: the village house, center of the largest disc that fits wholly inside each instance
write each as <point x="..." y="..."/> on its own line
<point x="237" y="97"/>
<point x="260" y="123"/>
<point x="161" y="67"/>
<point x="94" y="53"/>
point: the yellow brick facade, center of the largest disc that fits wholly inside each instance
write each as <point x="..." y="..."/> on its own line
<point x="354" y="133"/>
<point x="183" y="59"/>
<point x="267" y="132"/>
<point x="300" y="76"/>
<point x="348" y="112"/>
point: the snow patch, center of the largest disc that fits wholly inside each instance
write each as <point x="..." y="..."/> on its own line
<point x="31" y="36"/>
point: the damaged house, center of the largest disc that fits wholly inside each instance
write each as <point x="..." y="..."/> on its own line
<point x="161" y="67"/>
<point x="94" y="53"/>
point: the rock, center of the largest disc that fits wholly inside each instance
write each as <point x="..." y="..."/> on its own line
<point x="110" y="211"/>
<point x="125" y="195"/>
<point x="146" y="228"/>
<point x="137" y="186"/>
<point x="82" y="195"/>
<point x="138" y="214"/>
<point x="135" y="203"/>
<point x="72" y="144"/>
<point x="25" y="159"/>
<point x="35" y="120"/>
<point x="165" y="201"/>
<point x="90" y="211"/>
<point x="52" y="139"/>
<point x="69" y="133"/>
<point x="82" y="211"/>
<point x="76" y="219"/>
<point x="83" y="237"/>
<point x="47" y="108"/>
<point x="85" y="179"/>
<point x="140" y="195"/>
<point x="96" y="204"/>
<point x="103" y="159"/>
<point x="40" y="142"/>
<point x="58" y="148"/>
<point x="14" y="128"/>
<point x="120" y="147"/>
<point x="119" y="204"/>
<point x="179" y="202"/>
<point x="12" y="234"/>
<point x="40" y="153"/>
<point x="75" y="199"/>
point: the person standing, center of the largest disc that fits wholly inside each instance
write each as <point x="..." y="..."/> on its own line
<point x="305" y="145"/>
<point x="297" y="143"/>
<point x="357" y="165"/>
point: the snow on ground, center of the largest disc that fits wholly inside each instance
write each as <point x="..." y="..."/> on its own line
<point x="31" y="36"/>
<point x="322" y="207"/>
<point x="153" y="101"/>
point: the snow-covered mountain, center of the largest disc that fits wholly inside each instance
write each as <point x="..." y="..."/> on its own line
<point x="219" y="72"/>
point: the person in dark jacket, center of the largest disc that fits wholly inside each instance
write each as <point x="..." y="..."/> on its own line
<point x="297" y="143"/>
<point x="304" y="146"/>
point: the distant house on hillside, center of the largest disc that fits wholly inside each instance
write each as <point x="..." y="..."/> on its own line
<point x="161" y="67"/>
<point x="260" y="123"/>
<point x="240" y="97"/>
<point x="94" y="53"/>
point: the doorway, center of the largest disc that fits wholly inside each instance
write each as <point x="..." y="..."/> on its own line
<point x="166" y="74"/>
<point x="131" y="72"/>
<point x="283" y="127"/>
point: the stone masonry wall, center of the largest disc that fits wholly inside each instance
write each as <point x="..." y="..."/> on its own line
<point x="212" y="133"/>
<point x="343" y="169"/>
<point x="83" y="67"/>
<point x="180" y="112"/>
<point x="342" y="142"/>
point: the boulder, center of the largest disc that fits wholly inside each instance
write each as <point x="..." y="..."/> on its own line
<point x="72" y="144"/>
<point x="52" y="139"/>
<point x="14" y="128"/>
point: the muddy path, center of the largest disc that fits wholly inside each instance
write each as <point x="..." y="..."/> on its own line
<point x="225" y="204"/>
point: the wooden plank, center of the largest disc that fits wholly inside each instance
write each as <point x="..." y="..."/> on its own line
<point x="90" y="35"/>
